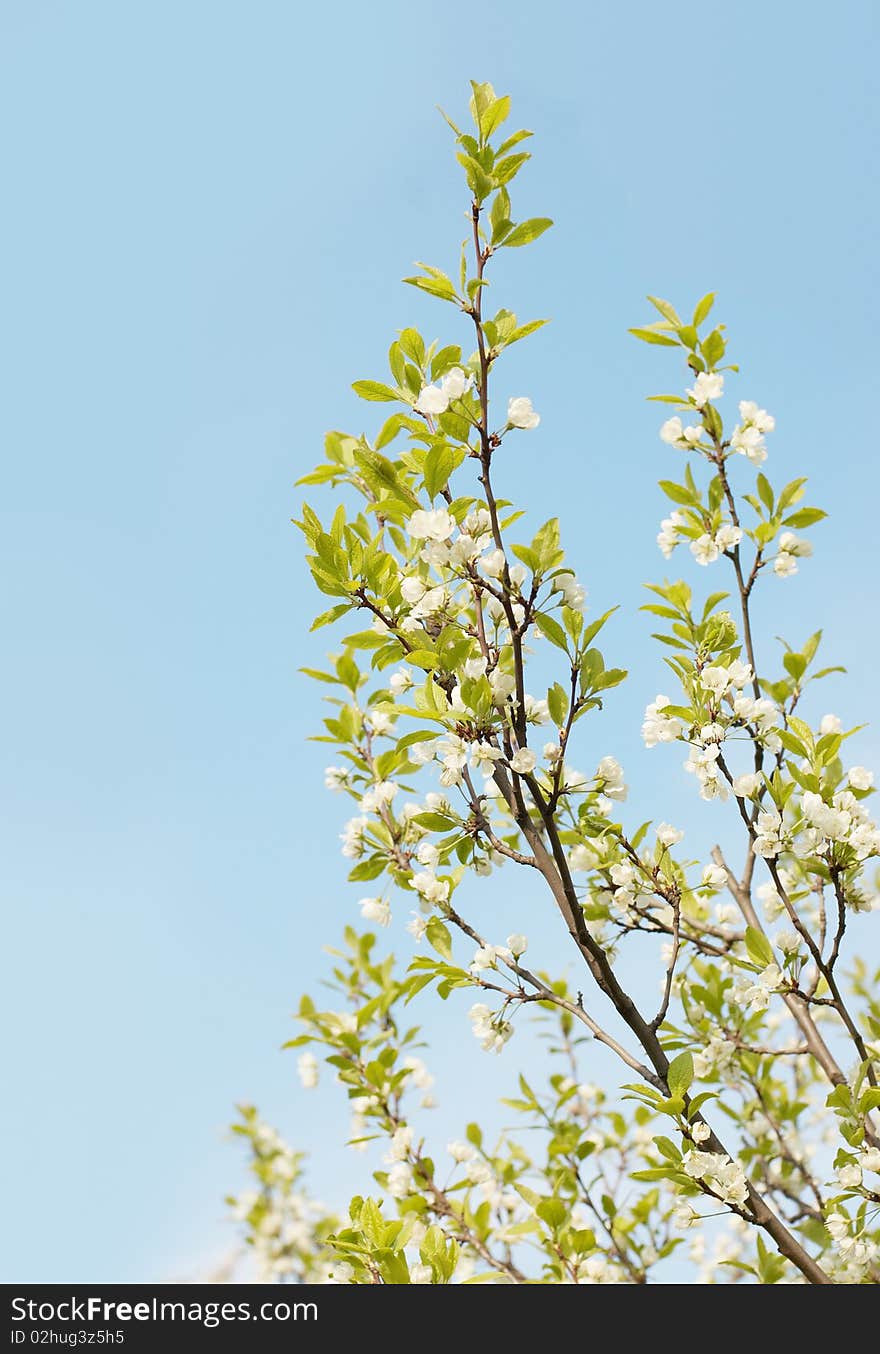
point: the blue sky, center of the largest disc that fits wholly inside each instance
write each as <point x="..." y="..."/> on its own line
<point x="208" y="208"/>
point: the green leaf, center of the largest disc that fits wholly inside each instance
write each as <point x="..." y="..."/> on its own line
<point x="759" y="948"/>
<point x="652" y="336"/>
<point x="493" y="116"/>
<point x="439" y="465"/>
<point x="680" y="1074"/>
<point x="703" y="308"/>
<point x="527" y="231"/>
<point x="666" y="310"/>
<point x="557" y="703"/>
<point x="441" y="286"/>
<point x="713" y="348"/>
<point x="805" y="517"/>
<point x="438" y="936"/>
<point x="551" y="630"/>
<point x="676" y="492"/>
<point x="766" y="492"/>
<point x="374" y="390"/>
<point x="437" y="822"/>
<point x="553" y="1212"/>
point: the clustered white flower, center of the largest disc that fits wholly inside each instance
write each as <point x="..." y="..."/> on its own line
<point x="754" y="992"/>
<point x="436" y="399"/>
<point x="845" y="820"/>
<point x="708" y="386"/>
<point x="492" y="1032"/>
<point x="658" y="727"/>
<point x="748" y="437"/>
<point x="724" y="1176"/>
<point x="791" y="549"/>
<point x="520" y="414"/>
<point x="706" y="549"/>
<point x="307" y="1068"/>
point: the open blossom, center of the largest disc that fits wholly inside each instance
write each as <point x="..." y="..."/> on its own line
<point x="517" y="944"/>
<point x="667" y="835"/>
<point x="400" y="681"/>
<point x="849" y="1175"/>
<point x="434" y="524"/>
<point x="417" y="927"/>
<point x="705" y="549"/>
<point x="768" y="842"/>
<point x="714" y="877"/>
<point x="860" y="778"/>
<point x="709" y="385"/>
<point x="610" y="773"/>
<point x="307" y="1067"/>
<point x="573" y="593"/>
<point x="492" y="1032"/>
<point x="668" y="537"/>
<point x="724" y="1176"/>
<point x="400" y="1179"/>
<point x="435" y="399"/>
<point x="399" y="1145"/>
<point x="377" y="910"/>
<point x="487" y="956"/>
<point x="830" y="724"/>
<point x="492" y="564"/>
<point x="756" y="994"/>
<point x="520" y="413"/>
<point x="758" y="418"/>
<point x="433" y="890"/>
<point x="378" y="795"/>
<point x="791" y="549"/>
<point x="771" y="901"/>
<point x="336" y="777"/>
<point x="678" y="436"/>
<point x="728" y="536"/>
<point x="748" y="441"/>
<point x="657" y="727"/>
<point x="523" y="762"/>
<point x="830" y="822"/>
<point x="431" y="400"/>
<point x="461" y="1151"/>
<point x="788" y="942"/>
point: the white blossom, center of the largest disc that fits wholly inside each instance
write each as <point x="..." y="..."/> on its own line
<point x="704" y="549"/>
<point x="748" y="441"/>
<point x="377" y="910"/>
<point x="708" y="386"/>
<point x="400" y="1179"/>
<point x="523" y="762"/>
<point x="714" y="877"/>
<point x="573" y="594"/>
<point x="677" y="436"/>
<point x="520" y="413"/>
<point x="758" y="418"/>
<point x="657" y="727"/>
<point x="308" y="1070"/>
<point x="399" y="1144"/>
<point x="433" y="524"/>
